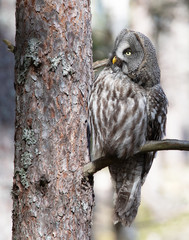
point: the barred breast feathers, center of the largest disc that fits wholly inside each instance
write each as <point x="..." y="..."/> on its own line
<point x="118" y="115"/>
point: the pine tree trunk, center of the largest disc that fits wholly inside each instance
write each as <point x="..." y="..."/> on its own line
<point x="51" y="200"/>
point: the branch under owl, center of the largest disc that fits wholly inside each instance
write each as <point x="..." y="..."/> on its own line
<point x="167" y="144"/>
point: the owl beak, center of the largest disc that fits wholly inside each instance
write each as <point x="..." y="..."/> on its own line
<point x="114" y="60"/>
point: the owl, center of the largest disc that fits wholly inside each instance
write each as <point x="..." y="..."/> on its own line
<point x="127" y="107"/>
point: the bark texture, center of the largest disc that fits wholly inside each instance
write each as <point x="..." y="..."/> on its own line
<point x="53" y="69"/>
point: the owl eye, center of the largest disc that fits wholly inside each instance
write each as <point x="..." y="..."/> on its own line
<point x="127" y="52"/>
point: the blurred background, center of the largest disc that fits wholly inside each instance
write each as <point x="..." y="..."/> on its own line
<point x="164" y="210"/>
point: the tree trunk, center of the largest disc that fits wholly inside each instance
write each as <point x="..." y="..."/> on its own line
<point x="51" y="199"/>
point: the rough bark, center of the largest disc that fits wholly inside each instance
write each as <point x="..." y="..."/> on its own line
<point x="53" y="70"/>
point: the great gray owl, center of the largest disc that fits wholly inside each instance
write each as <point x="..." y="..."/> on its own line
<point x="127" y="107"/>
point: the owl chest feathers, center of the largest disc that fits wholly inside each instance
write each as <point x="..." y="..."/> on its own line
<point x="118" y="115"/>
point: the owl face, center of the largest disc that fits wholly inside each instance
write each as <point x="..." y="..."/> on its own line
<point x="135" y="56"/>
<point x="128" y="53"/>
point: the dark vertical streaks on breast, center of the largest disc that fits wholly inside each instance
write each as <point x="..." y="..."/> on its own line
<point x="119" y="125"/>
<point x="114" y="94"/>
<point x="135" y="106"/>
<point x="121" y="90"/>
<point x="115" y="113"/>
<point x="128" y="93"/>
<point x="139" y="117"/>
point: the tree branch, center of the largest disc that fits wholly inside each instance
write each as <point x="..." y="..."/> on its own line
<point x="167" y="144"/>
<point x="100" y="63"/>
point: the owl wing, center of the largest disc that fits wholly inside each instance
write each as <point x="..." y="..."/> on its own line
<point x="157" y="110"/>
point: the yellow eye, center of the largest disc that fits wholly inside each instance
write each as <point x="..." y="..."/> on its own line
<point x="127" y="52"/>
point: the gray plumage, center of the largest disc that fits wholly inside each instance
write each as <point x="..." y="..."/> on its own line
<point x="127" y="107"/>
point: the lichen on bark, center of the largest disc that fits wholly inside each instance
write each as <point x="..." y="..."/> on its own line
<point x="27" y="59"/>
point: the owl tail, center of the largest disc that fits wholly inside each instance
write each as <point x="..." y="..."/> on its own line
<point x="127" y="202"/>
<point x="128" y="177"/>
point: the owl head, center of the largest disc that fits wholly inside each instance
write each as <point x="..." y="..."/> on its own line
<point x="134" y="55"/>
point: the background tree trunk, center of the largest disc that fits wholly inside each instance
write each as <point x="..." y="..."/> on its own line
<point x="53" y="57"/>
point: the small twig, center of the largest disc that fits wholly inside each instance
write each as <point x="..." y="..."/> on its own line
<point x="167" y="144"/>
<point x="10" y="46"/>
<point x="100" y="63"/>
